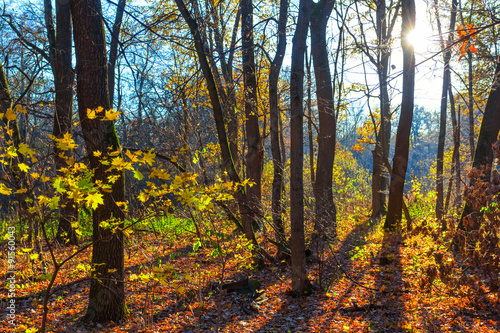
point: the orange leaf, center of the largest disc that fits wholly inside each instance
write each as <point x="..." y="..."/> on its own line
<point x="471" y="30"/>
<point x="461" y="32"/>
<point x="473" y="49"/>
<point x="463" y="48"/>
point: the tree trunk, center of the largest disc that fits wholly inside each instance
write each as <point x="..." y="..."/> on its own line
<point x="274" y="114"/>
<point x="444" y="109"/>
<point x="310" y="121"/>
<point x="227" y="88"/>
<point x="380" y="173"/>
<point x="113" y="49"/>
<point x="60" y="44"/>
<point x="106" y="296"/>
<point x="255" y="153"/>
<point x="378" y="189"/>
<point x="400" y="160"/>
<point x="470" y="104"/>
<point x="326" y="212"/>
<point x="455" y="167"/>
<point x="300" y="283"/>
<point x="458" y="180"/>
<point x="488" y="134"/>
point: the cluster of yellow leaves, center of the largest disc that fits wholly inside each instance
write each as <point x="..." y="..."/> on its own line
<point x="65" y="143"/>
<point x="366" y="133"/>
<point x="75" y="181"/>
<point x="108" y="114"/>
<point x="95" y="199"/>
<point x="25" y="150"/>
<point x="161" y="274"/>
<point x="23" y="328"/>
<point x="5" y="190"/>
<point x="10" y="115"/>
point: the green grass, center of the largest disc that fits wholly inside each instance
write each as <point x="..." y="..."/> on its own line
<point x="167" y="224"/>
<point x="164" y="225"/>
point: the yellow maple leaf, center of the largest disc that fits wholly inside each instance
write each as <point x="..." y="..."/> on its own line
<point x="66" y="142"/>
<point x="10" y="114"/>
<point x="76" y="195"/>
<point x="111" y="115"/>
<point x="4" y="189"/>
<point x="149" y="157"/>
<point x="94" y="200"/>
<point x="143" y="197"/>
<point x="20" y="328"/>
<point x="120" y="164"/>
<point x="11" y="152"/>
<point x="25" y="149"/>
<point x="91" y="114"/>
<point x="70" y="161"/>
<point x="23" y="167"/>
<point x="132" y="157"/>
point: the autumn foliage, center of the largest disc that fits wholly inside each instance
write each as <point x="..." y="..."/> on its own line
<point x="465" y="36"/>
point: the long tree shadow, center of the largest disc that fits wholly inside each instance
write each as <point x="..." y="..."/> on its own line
<point x="357" y="238"/>
<point x="286" y="314"/>
<point x="205" y="312"/>
<point x="388" y="300"/>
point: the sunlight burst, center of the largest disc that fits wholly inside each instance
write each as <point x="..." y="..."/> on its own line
<point x="419" y="40"/>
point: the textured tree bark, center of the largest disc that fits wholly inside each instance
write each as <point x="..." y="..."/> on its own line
<point x="60" y="43"/>
<point x="378" y="188"/>
<point x="326" y="212"/>
<point x="274" y="114"/>
<point x="380" y="174"/>
<point x="227" y="89"/>
<point x="400" y="160"/>
<point x="113" y="49"/>
<point x="300" y="283"/>
<point x="310" y="139"/>
<point x="458" y="179"/>
<point x="255" y="153"/>
<point x="488" y="134"/>
<point x="470" y="103"/>
<point x="106" y="296"/>
<point x="442" y="121"/>
<point x="470" y="92"/>
<point x="455" y="167"/>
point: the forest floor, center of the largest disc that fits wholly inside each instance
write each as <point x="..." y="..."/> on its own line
<point x="368" y="281"/>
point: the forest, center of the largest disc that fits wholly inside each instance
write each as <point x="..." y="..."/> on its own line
<point x="250" y="166"/>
